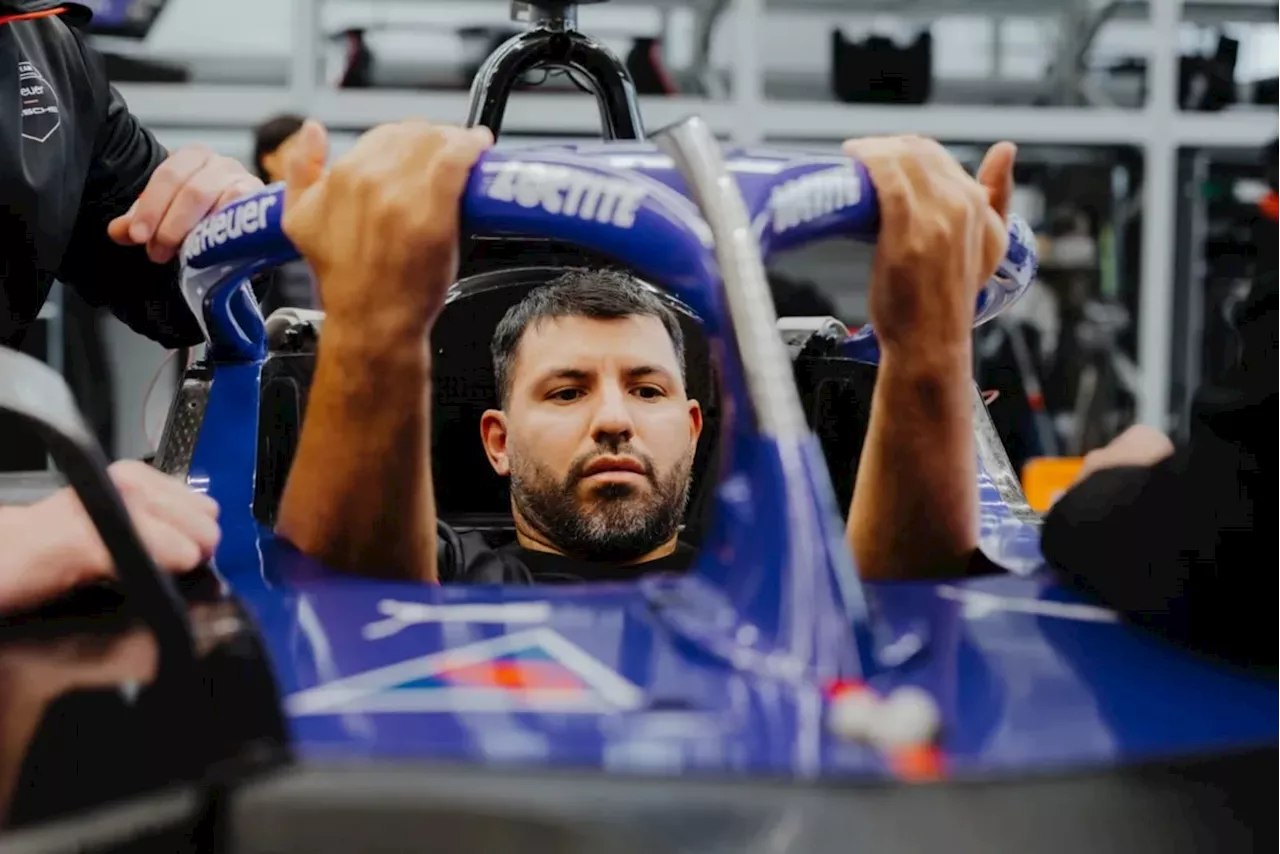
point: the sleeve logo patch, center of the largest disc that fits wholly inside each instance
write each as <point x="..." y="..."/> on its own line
<point x="39" y="103"/>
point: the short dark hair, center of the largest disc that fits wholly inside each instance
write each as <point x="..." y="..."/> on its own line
<point x="599" y="294"/>
<point x="270" y="135"/>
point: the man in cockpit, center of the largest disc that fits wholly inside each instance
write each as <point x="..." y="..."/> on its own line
<point x="594" y="426"/>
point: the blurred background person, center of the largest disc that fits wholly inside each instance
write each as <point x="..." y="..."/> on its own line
<point x="291" y="286"/>
<point x="271" y="141"/>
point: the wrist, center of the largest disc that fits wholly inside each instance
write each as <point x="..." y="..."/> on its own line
<point x="929" y="361"/>
<point x="40" y="558"/>
<point x="382" y="338"/>
<point x="363" y="367"/>
<point x="931" y="387"/>
<point x="380" y="315"/>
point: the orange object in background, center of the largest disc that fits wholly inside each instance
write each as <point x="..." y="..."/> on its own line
<point x="1270" y="205"/>
<point x="1046" y="478"/>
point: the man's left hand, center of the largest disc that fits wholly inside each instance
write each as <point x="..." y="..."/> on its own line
<point x="189" y="185"/>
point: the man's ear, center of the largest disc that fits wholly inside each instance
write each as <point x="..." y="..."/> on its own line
<point x="493" y="433"/>
<point x="695" y="419"/>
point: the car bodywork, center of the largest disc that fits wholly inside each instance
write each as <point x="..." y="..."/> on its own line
<point x="741" y="655"/>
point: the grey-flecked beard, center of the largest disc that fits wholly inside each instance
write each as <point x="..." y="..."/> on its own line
<point x="618" y="523"/>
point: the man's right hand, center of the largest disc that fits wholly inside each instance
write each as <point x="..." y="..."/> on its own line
<point x="380" y="227"/>
<point x="52" y="546"/>
<point x="942" y="234"/>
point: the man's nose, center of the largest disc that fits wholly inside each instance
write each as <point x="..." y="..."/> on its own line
<point x="612" y="416"/>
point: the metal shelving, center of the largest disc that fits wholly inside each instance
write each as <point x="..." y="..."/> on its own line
<point x="528" y="113"/>
<point x="1208" y="11"/>
<point x="816" y="123"/>
<point x="748" y="117"/>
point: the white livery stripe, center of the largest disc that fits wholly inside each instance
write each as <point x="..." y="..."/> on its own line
<point x="243" y="218"/>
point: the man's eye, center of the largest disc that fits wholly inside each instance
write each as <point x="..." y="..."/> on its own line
<point x="649" y="392"/>
<point x="566" y="394"/>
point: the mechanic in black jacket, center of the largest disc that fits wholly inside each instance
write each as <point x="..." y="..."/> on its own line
<point x="88" y="197"/>
<point x="1184" y="540"/>
<point x="73" y="161"/>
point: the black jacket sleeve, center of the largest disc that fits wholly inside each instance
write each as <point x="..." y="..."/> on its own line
<point x="1258" y="320"/>
<point x="1188" y="546"/>
<point x="142" y="294"/>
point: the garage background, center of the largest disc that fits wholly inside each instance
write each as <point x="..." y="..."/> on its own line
<point x="1141" y="127"/>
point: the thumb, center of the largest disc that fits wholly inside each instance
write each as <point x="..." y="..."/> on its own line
<point x="118" y="228"/>
<point x="996" y="175"/>
<point x="305" y="160"/>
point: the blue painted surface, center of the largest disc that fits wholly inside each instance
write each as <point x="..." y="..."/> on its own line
<point x="722" y="670"/>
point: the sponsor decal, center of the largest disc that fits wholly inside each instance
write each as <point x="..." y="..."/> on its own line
<point x="41" y="115"/>
<point x="241" y="218"/>
<point x="566" y="191"/>
<point x="398" y="616"/>
<point x="807" y="198"/>
<point x="535" y="670"/>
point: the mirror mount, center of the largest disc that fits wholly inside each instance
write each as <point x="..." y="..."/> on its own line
<point x="551" y="15"/>
<point x="553" y="42"/>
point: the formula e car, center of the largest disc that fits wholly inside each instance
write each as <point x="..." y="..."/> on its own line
<point x="765" y="701"/>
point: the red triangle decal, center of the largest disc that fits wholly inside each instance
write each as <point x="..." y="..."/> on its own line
<point x="515" y="675"/>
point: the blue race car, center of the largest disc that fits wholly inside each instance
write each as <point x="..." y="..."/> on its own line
<point x="767" y="700"/>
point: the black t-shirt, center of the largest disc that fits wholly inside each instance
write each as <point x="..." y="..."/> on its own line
<point x="480" y="563"/>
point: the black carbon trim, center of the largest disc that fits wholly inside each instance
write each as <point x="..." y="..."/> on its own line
<point x="182" y="427"/>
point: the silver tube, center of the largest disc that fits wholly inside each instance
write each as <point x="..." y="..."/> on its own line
<point x="770" y="383"/>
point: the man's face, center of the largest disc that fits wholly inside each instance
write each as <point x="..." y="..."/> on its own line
<point x="597" y="436"/>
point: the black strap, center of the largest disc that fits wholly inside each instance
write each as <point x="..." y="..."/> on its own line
<point x="450" y="553"/>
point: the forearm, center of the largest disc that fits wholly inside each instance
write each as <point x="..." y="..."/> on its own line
<point x="36" y="560"/>
<point x="359" y="495"/>
<point x="914" y="510"/>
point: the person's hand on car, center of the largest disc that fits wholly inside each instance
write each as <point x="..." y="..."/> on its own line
<point x="942" y="234"/>
<point x="1138" y="446"/>
<point x="380" y="226"/>
<point x="189" y="185"/>
<point x="52" y="546"/>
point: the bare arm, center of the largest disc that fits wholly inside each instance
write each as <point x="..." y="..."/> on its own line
<point x="380" y="231"/>
<point x="915" y="503"/>
<point x="359" y="495"/>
